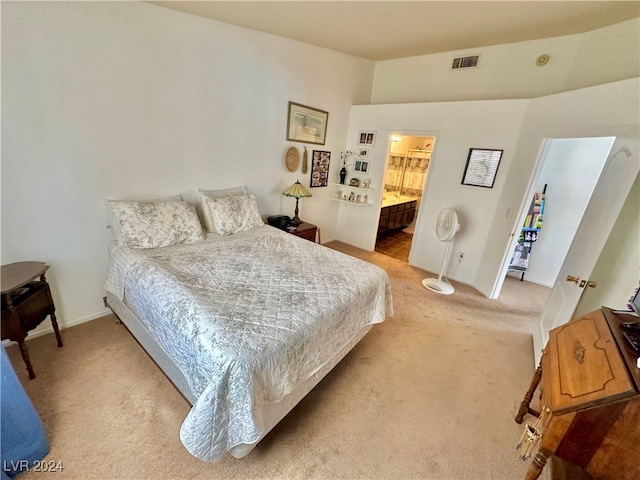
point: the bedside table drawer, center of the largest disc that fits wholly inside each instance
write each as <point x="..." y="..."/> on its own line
<point x="306" y="231"/>
<point x="308" y="235"/>
<point x="35" y="306"/>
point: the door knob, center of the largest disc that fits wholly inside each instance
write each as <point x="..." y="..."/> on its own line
<point x="571" y="278"/>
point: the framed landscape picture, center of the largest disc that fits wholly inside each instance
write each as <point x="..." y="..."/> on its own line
<point x="306" y="124"/>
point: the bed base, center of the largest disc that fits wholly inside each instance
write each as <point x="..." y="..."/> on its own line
<point x="271" y="414"/>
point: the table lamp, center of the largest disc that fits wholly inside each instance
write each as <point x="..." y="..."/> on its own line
<point x="297" y="191"/>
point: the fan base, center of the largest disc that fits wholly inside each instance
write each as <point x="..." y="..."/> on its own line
<point x="438" y="286"/>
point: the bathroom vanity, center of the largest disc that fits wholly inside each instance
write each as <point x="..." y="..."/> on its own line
<point x="397" y="211"/>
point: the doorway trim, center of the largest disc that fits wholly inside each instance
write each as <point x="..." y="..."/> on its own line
<point x="408" y="133"/>
<point x="544" y="144"/>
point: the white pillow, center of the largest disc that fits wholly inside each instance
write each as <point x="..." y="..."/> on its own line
<point x="194" y="196"/>
<point x="203" y="210"/>
<point x="223" y="192"/>
<point x="233" y="213"/>
<point x="154" y="223"/>
<point x="113" y="222"/>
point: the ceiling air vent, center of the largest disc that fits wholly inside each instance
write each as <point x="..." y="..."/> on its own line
<point x="465" y="62"/>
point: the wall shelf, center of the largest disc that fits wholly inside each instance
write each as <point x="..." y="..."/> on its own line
<point x="342" y="190"/>
<point x="361" y="204"/>
<point x="346" y="185"/>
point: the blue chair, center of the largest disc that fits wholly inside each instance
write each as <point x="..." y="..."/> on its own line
<point x="22" y="439"/>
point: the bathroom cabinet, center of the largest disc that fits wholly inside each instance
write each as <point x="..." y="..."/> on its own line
<point x="396" y="216"/>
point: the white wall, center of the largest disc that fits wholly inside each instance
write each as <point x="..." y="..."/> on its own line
<point x="411" y="142"/>
<point x="457" y="126"/>
<point x="510" y="71"/>
<point x="130" y="100"/>
<point x="602" y="110"/>
<point x="127" y="100"/>
<point x="488" y="216"/>
<point x="570" y="171"/>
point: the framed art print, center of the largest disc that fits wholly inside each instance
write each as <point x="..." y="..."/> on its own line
<point x="367" y="138"/>
<point x="361" y="166"/>
<point x="482" y="167"/>
<point x="320" y="168"/>
<point x="306" y="124"/>
<point x="363" y="152"/>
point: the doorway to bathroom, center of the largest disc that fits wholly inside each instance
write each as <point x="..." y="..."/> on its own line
<point x="406" y="170"/>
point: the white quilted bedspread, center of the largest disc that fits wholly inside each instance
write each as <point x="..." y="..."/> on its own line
<point x="246" y="318"/>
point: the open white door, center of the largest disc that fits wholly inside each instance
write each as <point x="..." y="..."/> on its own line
<point x="607" y="200"/>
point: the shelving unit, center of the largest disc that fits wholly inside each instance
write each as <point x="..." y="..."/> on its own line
<point x="419" y="153"/>
<point x="528" y="235"/>
<point x="352" y="203"/>
<point x="344" y="198"/>
<point x="520" y="258"/>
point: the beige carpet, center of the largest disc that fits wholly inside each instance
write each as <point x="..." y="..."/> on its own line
<point x="429" y="394"/>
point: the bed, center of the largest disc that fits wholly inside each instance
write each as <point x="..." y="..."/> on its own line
<point x="245" y="319"/>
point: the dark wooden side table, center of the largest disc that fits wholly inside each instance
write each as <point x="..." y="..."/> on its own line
<point x="26" y="302"/>
<point x="304" y="230"/>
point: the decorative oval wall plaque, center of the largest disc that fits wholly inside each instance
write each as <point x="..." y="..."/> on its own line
<point x="292" y="159"/>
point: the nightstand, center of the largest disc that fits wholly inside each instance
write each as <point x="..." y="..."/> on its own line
<point x="26" y="302"/>
<point x="304" y="230"/>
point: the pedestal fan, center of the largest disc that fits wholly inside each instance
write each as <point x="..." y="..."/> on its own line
<point x="446" y="227"/>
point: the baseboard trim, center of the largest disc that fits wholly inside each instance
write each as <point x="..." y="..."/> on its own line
<point x="527" y="278"/>
<point x="45" y="327"/>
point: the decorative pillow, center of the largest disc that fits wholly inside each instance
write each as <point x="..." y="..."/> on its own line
<point x="113" y="222"/>
<point x="223" y="192"/>
<point x="203" y="209"/>
<point x="233" y="213"/>
<point x="155" y="223"/>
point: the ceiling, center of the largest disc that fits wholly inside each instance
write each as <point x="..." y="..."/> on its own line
<point x="382" y="30"/>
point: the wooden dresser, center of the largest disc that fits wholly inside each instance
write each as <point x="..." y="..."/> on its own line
<point x="590" y="394"/>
